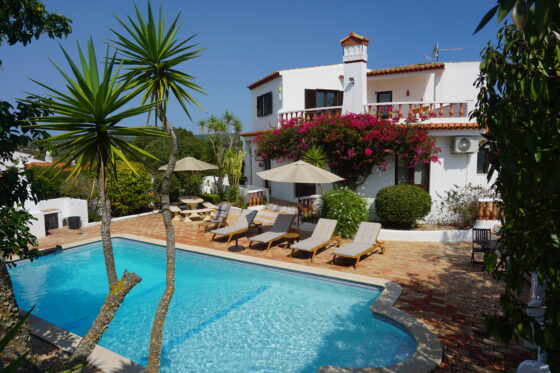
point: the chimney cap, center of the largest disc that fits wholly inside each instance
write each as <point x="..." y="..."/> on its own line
<point x="354" y="39"/>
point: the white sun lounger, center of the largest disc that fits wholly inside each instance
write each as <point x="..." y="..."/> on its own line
<point x="364" y="242"/>
<point x="322" y="235"/>
<point x="278" y="230"/>
<point x="242" y="225"/>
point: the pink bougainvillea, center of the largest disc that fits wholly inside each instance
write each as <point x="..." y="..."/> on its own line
<point x="353" y="143"/>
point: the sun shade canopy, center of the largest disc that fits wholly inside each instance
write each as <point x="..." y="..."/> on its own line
<point x="299" y="172"/>
<point x="190" y="164"/>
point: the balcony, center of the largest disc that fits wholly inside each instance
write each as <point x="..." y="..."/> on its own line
<point x="308" y="114"/>
<point x="431" y="111"/>
<point x="420" y="111"/>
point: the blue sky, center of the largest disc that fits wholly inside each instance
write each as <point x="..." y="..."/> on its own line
<point x="247" y="40"/>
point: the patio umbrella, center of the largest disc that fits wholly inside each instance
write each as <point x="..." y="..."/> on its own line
<point x="190" y="164"/>
<point x="299" y="172"/>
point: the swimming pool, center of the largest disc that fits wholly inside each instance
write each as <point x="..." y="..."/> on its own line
<point x="226" y="316"/>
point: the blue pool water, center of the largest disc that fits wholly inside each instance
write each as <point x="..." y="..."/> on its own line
<point x="226" y="316"/>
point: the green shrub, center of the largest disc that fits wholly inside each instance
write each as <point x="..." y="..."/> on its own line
<point x="347" y="207"/>
<point x="402" y="205"/>
<point x="130" y="192"/>
<point x="211" y="197"/>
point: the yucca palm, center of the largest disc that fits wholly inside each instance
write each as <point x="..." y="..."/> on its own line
<point x="88" y="112"/>
<point x="151" y="54"/>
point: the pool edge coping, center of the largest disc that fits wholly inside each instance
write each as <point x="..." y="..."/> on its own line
<point x="427" y="357"/>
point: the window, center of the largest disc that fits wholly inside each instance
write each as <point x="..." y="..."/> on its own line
<point x="481" y="162"/>
<point x="264" y="105"/>
<point x="385" y="96"/>
<point x="418" y="175"/>
<point x="302" y="190"/>
<point x="317" y="98"/>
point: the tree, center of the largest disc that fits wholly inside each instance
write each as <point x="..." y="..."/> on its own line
<point x="89" y="114"/>
<point x="151" y="53"/>
<point x="19" y="22"/>
<point x="223" y="134"/>
<point x="519" y="104"/>
<point x="130" y="191"/>
<point x="23" y="20"/>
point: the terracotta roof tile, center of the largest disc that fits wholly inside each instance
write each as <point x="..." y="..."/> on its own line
<point x="427" y="126"/>
<point x="407" y="68"/>
<point x="267" y="78"/>
<point x="353" y="39"/>
<point x="449" y="126"/>
<point x="253" y="133"/>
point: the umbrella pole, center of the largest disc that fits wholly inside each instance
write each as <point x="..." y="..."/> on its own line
<point x="298" y="206"/>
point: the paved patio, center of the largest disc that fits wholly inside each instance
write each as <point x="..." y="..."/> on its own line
<point x="439" y="284"/>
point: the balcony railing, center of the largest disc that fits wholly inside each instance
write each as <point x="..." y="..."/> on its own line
<point x="308" y="114"/>
<point x="433" y="111"/>
<point x="418" y="109"/>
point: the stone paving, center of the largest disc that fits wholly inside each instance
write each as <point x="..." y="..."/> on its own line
<point x="440" y="286"/>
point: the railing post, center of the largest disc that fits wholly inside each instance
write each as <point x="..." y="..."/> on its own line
<point x="451" y="112"/>
<point x="400" y="110"/>
<point x="461" y="111"/>
<point x="441" y="110"/>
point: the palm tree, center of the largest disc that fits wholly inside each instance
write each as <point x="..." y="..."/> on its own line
<point x="151" y="54"/>
<point x="89" y="113"/>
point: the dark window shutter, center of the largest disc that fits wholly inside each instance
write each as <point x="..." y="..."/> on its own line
<point x="268" y="103"/>
<point x="310" y="99"/>
<point x="259" y="106"/>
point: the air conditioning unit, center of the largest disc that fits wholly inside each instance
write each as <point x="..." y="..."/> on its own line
<point x="462" y="144"/>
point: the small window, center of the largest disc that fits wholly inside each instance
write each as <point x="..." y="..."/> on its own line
<point x="481" y="162"/>
<point x="302" y="189"/>
<point x="267" y="166"/>
<point x="264" y="105"/>
<point x="418" y="175"/>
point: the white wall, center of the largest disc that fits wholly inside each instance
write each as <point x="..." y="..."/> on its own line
<point x="457" y="83"/>
<point x="66" y="206"/>
<point x="271" y="120"/>
<point x="296" y="81"/>
<point x="420" y="86"/>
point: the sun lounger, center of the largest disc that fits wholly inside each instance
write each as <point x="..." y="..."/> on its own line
<point x="219" y="218"/>
<point x="241" y="226"/>
<point x="278" y="230"/>
<point x="322" y="235"/>
<point x="364" y="242"/>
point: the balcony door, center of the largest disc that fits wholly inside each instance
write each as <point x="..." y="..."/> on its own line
<point x="385" y="96"/>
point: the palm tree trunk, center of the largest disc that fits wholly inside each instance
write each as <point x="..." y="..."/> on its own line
<point x="156" y="336"/>
<point x="9" y="317"/>
<point x="118" y="289"/>
<point x="104" y="317"/>
<point x="106" y="227"/>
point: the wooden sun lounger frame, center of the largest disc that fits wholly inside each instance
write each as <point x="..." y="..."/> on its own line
<point x="332" y="240"/>
<point x="377" y="244"/>
<point x="269" y="242"/>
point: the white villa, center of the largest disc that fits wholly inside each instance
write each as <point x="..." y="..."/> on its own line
<point x="443" y="89"/>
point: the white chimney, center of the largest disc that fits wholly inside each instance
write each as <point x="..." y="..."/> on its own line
<point x="355" y="73"/>
<point x="48" y="156"/>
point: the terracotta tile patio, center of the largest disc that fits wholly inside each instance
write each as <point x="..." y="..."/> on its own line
<point x="439" y="284"/>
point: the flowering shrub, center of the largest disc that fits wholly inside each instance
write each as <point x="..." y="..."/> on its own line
<point x="353" y="143"/>
<point x="402" y="205"/>
<point x="347" y="207"/>
<point x="459" y="205"/>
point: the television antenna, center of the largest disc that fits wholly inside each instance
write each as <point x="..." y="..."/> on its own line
<point x="436" y="50"/>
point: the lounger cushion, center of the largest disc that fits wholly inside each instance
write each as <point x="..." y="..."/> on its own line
<point x="367" y="232"/>
<point x="243" y="222"/>
<point x="309" y="244"/>
<point x="352" y="249"/>
<point x="324" y="229"/>
<point x="267" y="236"/>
